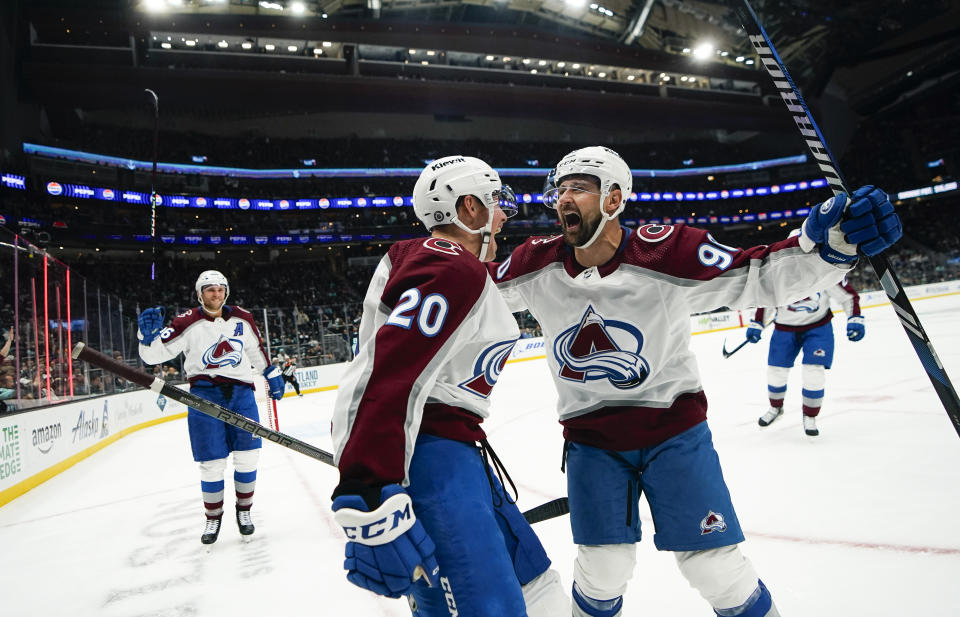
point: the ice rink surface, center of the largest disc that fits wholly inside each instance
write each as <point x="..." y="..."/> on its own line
<point x="859" y="521"/>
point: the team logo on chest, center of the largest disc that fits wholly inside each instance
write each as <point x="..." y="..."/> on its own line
<point x="225" y="352"/>
<point x="486" y="370"/>
<point x="601" y="349"/>
<point x="807" y="305"/>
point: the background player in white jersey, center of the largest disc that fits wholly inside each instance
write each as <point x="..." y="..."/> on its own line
<point x="220" y="344"/>
<point x="805" y="325"/>
<point x="423" y="507"/>
<point x="614" y="306"/>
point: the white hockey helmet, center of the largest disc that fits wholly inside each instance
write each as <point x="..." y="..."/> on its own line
<point x="445" y="180"/>
<point x="607" y="167"/>
<point x="211" y="277"/>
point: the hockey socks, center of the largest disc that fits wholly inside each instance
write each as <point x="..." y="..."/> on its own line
<point x="585" y="606"/>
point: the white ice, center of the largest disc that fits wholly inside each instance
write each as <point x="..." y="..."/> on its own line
<point x="856" y="522"/>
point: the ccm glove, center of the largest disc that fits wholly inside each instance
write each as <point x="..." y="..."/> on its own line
<point x="151" y="323"/>
<point x="842" y="224"/>
<point x="388" y="549"/>
<point x="855" y="328"/>
<point x="754" y="331"/>
<point x="274" y="382"/>
<point x="871" y="223"/>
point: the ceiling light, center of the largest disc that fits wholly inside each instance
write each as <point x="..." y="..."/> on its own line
<point x="223" y="44"/>
<point x="630" y="77"/>
<point x="542" y="63"/>
<point x="191" y="43"/>
<point x="327" y="44"/>
<point x="703" y="50"/>
<point x="601" y="74"/>
<point x="740" y="58"/>
<point x="291" y="48"/>
<point x="489" y="58"/>
<point x="166" y="45"/>
<point x="269" y="46"/>
<point x="298" y="8"/>
<point x="246" y="45"/>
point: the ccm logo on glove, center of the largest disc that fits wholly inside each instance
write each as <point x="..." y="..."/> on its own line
<point x="359" y="528"/>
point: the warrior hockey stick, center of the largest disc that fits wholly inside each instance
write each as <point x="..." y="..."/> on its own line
<point x="818" y="147"/>
<point x="82" y="352"/>
<point x="91" y="356"/>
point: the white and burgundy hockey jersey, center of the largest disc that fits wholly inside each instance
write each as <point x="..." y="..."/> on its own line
<point x="216" y="350"/>
<point x="618" y="335"/>
<point x="434" y="336"/>
<point x="814" y="310"/>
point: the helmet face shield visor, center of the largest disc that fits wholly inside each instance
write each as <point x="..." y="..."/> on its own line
<point x="507" y="200"/>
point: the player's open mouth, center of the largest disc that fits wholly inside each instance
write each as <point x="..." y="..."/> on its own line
<point x="571" y="221"/>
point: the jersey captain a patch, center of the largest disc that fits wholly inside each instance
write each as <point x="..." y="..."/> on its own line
<point x="597" y="348"/>
<point x="225" y="352"/>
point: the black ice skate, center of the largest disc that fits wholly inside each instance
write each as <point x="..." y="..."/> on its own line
<point x="211" y="531"/>
<point x="244" y="522"/>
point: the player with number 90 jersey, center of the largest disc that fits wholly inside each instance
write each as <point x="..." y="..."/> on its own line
<point x="618" y="335"/>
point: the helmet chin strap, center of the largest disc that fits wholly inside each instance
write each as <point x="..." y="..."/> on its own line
<point x="486" y="232"/>
<point x="604" y="217"/>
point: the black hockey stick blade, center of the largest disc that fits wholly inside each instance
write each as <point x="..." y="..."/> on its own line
<point x="727" y="354"/>
<point x="811" y="133"/>
<point x="546" y="511"/>
<point x="82" y="352"/>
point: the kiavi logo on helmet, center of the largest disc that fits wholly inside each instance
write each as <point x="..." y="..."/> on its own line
<point x="442" y="164"/>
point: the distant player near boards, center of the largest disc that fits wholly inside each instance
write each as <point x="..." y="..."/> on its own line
<point x="805" y="325"/>
<point x="421" y="496"/>
<point x="614" y="306"/>
<point x="222" y="348"/>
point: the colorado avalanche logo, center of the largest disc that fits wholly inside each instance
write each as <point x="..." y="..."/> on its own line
<point x="486" y="370"/>
<point x="225" y="352"/>
<point x="590" y="351"/>
<point x="807" y="305"/>
<point x="712" y="522"/>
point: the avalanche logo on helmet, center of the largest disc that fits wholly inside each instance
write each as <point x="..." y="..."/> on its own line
<point x="225" y="352"/>
<point x="487" y="368"/>
<point x="601" y="349"/>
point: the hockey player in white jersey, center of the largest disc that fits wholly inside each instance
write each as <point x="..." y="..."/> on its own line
<point x="614" y="306"/>
<point x="422" y="504"/>
<point x="222" y="348"/>
<point x="805" y="325"/>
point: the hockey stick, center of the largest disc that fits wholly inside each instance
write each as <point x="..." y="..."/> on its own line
<point x="888" y="279"/>
<point x="91" y="356"/>
<point x="727" y="354"/>
<point x="155" y="103"/>
<point x="82" y="352"/>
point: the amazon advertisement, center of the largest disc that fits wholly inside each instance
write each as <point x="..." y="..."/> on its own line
<point x="35" y="441"/>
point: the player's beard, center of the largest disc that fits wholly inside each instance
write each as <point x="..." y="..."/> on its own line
<point x="582" y="231"/>
<point x="213" y="309"/>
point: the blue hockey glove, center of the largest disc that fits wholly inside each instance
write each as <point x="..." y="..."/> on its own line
<point x="754" y="331"/>
<point x="842" y="224"/>
<point x="151" y="323"/>
<point x="871" y="222"/>
<point x="855" y="328"/>
<point x="274" y="382"/>
<point x="388" y="549"/>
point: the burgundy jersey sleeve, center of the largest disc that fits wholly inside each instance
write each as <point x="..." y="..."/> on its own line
<point x="427" y="301"/>
<point x="171" y="341"/>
